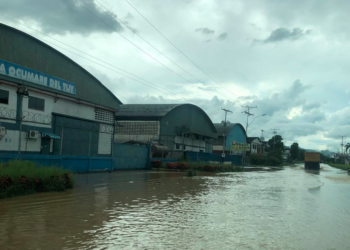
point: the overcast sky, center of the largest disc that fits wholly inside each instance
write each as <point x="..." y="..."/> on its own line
<point x="288" y="58"/>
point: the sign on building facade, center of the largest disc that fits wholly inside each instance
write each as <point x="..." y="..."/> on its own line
<point x="238" y="146"/>
<point x="36" y="77"/>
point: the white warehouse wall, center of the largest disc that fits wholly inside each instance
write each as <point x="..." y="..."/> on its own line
<point x="10" y="142"/>
<point x="4" y="108"/>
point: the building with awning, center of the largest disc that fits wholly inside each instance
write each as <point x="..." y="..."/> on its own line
<point x="177" y="126"/>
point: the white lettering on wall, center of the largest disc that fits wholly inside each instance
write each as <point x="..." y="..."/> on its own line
<point x="12" y="71"/>
<point x="20" y="72"/>
<point x="2" y="69"/>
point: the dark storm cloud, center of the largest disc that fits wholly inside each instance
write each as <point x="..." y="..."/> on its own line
<point x="222" y="36"/>
<point x="282" y="34"/>
<point x="205" y="31"/>
<point x="60" y="17"/>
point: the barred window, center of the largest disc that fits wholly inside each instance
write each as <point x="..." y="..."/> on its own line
<point x="138" y="128"/>
<point x="104" y="115"/>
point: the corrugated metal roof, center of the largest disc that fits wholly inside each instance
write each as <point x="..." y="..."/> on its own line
<point x="250" y="139"/>
<point x="146" y="109"/>
<point x="220" y="127"/>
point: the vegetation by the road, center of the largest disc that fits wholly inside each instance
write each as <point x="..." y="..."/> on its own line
<point x="195" y="166"/>
<point x="25" y="177"/>
<point x="273" y="158"/>
<point x="340" y="166"/>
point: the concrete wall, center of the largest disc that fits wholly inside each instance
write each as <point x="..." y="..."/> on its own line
<point x="205" y="157"/>
<point x="191" y="144"/>
<point x="84" y="133"/>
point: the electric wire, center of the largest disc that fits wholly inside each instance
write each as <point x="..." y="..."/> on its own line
<point x="178" y="48"/>
<point x="140" y="47"/>
<point x="137" y="34"/>
<point x="168" y="92"/>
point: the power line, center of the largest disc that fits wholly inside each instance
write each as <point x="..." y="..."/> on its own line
<point x="168" y="92"/>
<point x="247" y="112"/>
<point x="131" y="42"/>
<point x="138" y="46"/>
<point x="134" y="43"/>
<point x="136" y="33"/>
<point x="178" y="48"/>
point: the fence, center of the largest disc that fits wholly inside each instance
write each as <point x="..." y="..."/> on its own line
<point x="78" y="164"/>
<point x="199" y="156"/>
<point x="127" y="157"/>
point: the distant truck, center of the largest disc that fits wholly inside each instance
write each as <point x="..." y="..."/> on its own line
<point x="312" y="160"/>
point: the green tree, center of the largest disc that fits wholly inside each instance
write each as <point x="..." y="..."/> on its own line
<point x="294" y="151"/>
<point x="276" y="143"/>
<point x="301" y="154"/>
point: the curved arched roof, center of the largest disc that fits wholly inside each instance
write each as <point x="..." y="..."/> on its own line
<point x="22" y="49"/>
<point x="146" y="110"/>
<point x="220" y="127"/>
<point x="155" y="110"/>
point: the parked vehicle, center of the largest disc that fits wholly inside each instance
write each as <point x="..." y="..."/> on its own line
<point x="312" y="160"/>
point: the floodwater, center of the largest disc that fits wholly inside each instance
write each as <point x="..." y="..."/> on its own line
<point x="287" y="209"/>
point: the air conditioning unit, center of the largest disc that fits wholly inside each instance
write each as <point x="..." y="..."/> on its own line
<point x="2" y="131"/>
<point x="33" y="134"/>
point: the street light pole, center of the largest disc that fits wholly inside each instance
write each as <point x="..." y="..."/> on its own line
<point x="224" y="134"/>
<point x="255" y="118"/>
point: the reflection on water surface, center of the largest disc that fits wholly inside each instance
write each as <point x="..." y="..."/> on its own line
<point x="288" y="209"/>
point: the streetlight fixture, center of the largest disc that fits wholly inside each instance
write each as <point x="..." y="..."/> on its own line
<point x="253" y="121"/>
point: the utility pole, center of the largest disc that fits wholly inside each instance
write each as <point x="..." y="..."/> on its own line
<point x="224" y="141"/>
<point x="183" y="142"/>
<point x="247" y="112"/>
<point x="262" y="134"/>
<point x="274" y="136"/>
<point x="342" y="146"/>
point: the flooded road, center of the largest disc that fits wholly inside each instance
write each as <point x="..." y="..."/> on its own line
<point x="287" y="209"/>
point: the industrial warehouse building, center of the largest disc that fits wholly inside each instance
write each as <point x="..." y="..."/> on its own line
<point x="177" y="126"/>
<point x="48" y="103"/>
<point x="235" y="134"/>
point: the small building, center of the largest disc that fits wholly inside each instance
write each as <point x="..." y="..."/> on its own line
<point x="177" y="126"/>
<point x="48" y="103"/>
<point x="256" y="145"/>
<point x="235" y="133"/>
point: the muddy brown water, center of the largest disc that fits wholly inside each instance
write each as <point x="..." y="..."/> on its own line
<point x="288" y="209"/>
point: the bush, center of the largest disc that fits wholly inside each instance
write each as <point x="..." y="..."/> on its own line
<point x="273" y="161"/>
<point x="257" y="159"/>
<point x="156" y="164"/>
<point x="177" y="166"/>
<point x="24" y="177"/>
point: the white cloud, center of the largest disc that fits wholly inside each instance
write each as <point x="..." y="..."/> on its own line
<point x="316" y="107"/>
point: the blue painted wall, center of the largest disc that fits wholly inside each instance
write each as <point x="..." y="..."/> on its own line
<point x="237" y="134"/>
<point x="131" y="157"/>
<point x="78" y="164"/>
<point x="198" y="156"/>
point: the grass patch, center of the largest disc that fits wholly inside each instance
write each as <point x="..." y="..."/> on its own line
<point x="25" y="177"/>
<point x="339" y="166"/>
